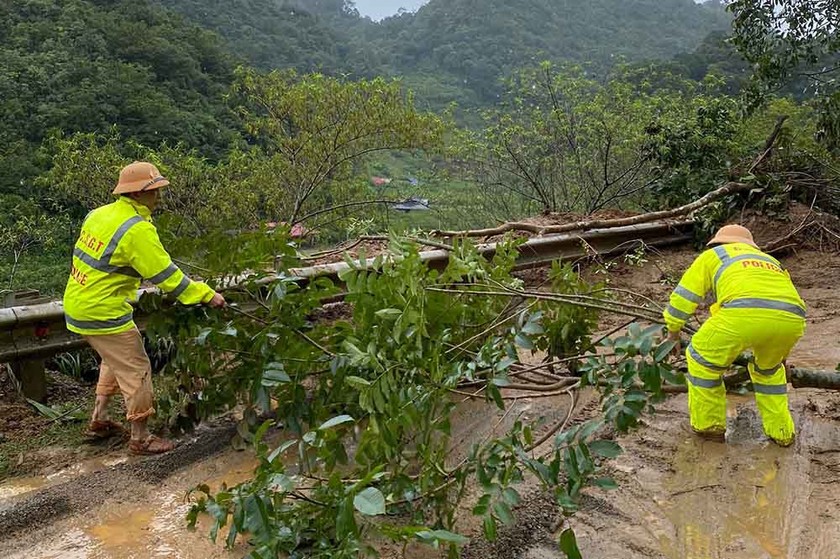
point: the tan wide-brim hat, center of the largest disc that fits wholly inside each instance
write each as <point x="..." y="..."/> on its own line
<point x="139" y="177"/>
<point x="733" y="234"/>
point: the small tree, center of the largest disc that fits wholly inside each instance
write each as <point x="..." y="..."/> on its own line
<point x="786" y="40"/>
<point x="312" y="130"/>
<point x="563" y="142"/>
<point x="25" y="231"/>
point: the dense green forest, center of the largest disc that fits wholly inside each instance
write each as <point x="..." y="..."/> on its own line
<point x="455" y="46"/>
<point x="89" y="85"/>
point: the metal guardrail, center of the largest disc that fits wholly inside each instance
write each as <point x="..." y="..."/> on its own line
<point x="38" y="331"/>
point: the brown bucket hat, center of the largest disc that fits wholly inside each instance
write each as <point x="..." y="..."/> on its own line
<point x="139" y="177"/>
<point x="733" y="234"/>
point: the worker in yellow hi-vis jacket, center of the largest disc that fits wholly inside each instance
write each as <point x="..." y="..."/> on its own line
<point x="757" y="309"/>
<point x="118" y="246"/>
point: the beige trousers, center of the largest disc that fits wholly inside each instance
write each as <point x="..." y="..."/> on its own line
<point x="125" y="369"/>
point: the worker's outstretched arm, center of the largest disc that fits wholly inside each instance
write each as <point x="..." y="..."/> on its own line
<point x="152" y="262"/>
<point x="690" y="292"/>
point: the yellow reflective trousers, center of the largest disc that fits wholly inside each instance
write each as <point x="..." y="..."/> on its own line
<point x="757" y="308"/>
<point x="770" y="335"/>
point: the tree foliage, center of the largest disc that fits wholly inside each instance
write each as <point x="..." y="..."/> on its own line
<point x="25" y="228"/>
<point x="83" y="66"/>
<point x="480" y="47"/>
<point x="789" y="39"/>
<point x="367" y="403"/>
<point x="312" y="130"/>
<point x="307" y="137"/>
<point x="563" y="141"/>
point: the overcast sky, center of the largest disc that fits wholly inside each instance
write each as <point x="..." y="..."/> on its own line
<point x="378" y="9"/>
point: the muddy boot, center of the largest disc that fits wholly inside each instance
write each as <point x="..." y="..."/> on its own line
<point x="784" y="443"/>
<point x="716" y="434"/>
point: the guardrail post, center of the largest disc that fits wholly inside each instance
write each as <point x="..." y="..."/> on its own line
<point x="32" y="373"/>
<point x="32" y="376"/>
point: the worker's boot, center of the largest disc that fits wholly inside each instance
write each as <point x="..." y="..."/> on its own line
<point x="783" y="442"/>
<point x="716" y="434"/>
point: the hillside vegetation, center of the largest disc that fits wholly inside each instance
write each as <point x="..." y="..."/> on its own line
<point x="464" y="42"/>
<point x="81" y="66"/>
<point x="481" y="42"/>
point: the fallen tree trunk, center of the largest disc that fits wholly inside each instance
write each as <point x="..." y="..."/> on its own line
<point x="798" y="378"/>
<point x="726" y="190"/>
<point x="809" y="378"/>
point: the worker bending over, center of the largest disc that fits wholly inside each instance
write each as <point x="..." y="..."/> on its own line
<point x="118" y="246"/>
<point x="757" y="309"/>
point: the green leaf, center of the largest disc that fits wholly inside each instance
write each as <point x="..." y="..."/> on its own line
<point x="606" y="483"/>
<point x="389" y="313"/>
<point x="605" y="448"/>
<point x="46" y="411"/>
<point x="345" y="525"/>
<point x="589" y="428"/>
<point x="664" y="350"/>
<point x="568" y="544"/>
<point x="335" y="421"/>
<point x="357" y="382"/>
<point x="532" y="328"/>
<point x="635" y="396"/>
<point x="511" y="496"/>
<point x="489" y="528"/>
<point x="504" y="364"/>
<point x="370" y="502"/>
<point x="503" y="512"/>
<point x="201" y="339"/>
<point x="275" y="374"/>
<point x="281" y="449"/>
<point x="443" y="536"/>
<point x="523" y="341"/>
<point x="654" y="330"/>
<point x="229" y="331"/>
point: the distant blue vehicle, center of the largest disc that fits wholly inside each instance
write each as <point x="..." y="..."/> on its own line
<point x="413" y="181"/>
<point x="413" y="204"/>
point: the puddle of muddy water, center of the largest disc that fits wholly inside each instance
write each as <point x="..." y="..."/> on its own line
<point x="745" y="499"/>
<point x="681" y="497"/>
<point x="152" y="528"/>
<point x="17" y="488"/>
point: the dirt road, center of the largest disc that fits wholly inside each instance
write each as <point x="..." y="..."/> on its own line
<point x="679" y="497"/>
<point x="684" y="498"/>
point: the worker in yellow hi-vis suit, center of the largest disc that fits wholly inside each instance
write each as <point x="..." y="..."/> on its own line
<point x="757" y="309"/>
<point x="118" y="246"/>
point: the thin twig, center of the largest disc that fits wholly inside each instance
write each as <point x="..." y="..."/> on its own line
<point x="561" y="425"/>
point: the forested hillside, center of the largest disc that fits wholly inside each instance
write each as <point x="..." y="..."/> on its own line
<point x="479" y="42"/>
<point x="308" y="35"/>
<point x="81" y="66"/>
<point x="460" y="47"/>
<point x="87" y="85"/>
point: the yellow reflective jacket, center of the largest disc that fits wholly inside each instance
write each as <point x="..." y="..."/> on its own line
<point x="741" y="277"/>
<point x="118" y="246"/>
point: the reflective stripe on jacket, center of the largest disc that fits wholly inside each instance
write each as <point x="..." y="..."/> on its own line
<point x="741" y="277"/>
<point x="118" y="246"/>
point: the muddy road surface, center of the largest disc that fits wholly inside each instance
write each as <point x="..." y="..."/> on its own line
<point x="679" y="497"/>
